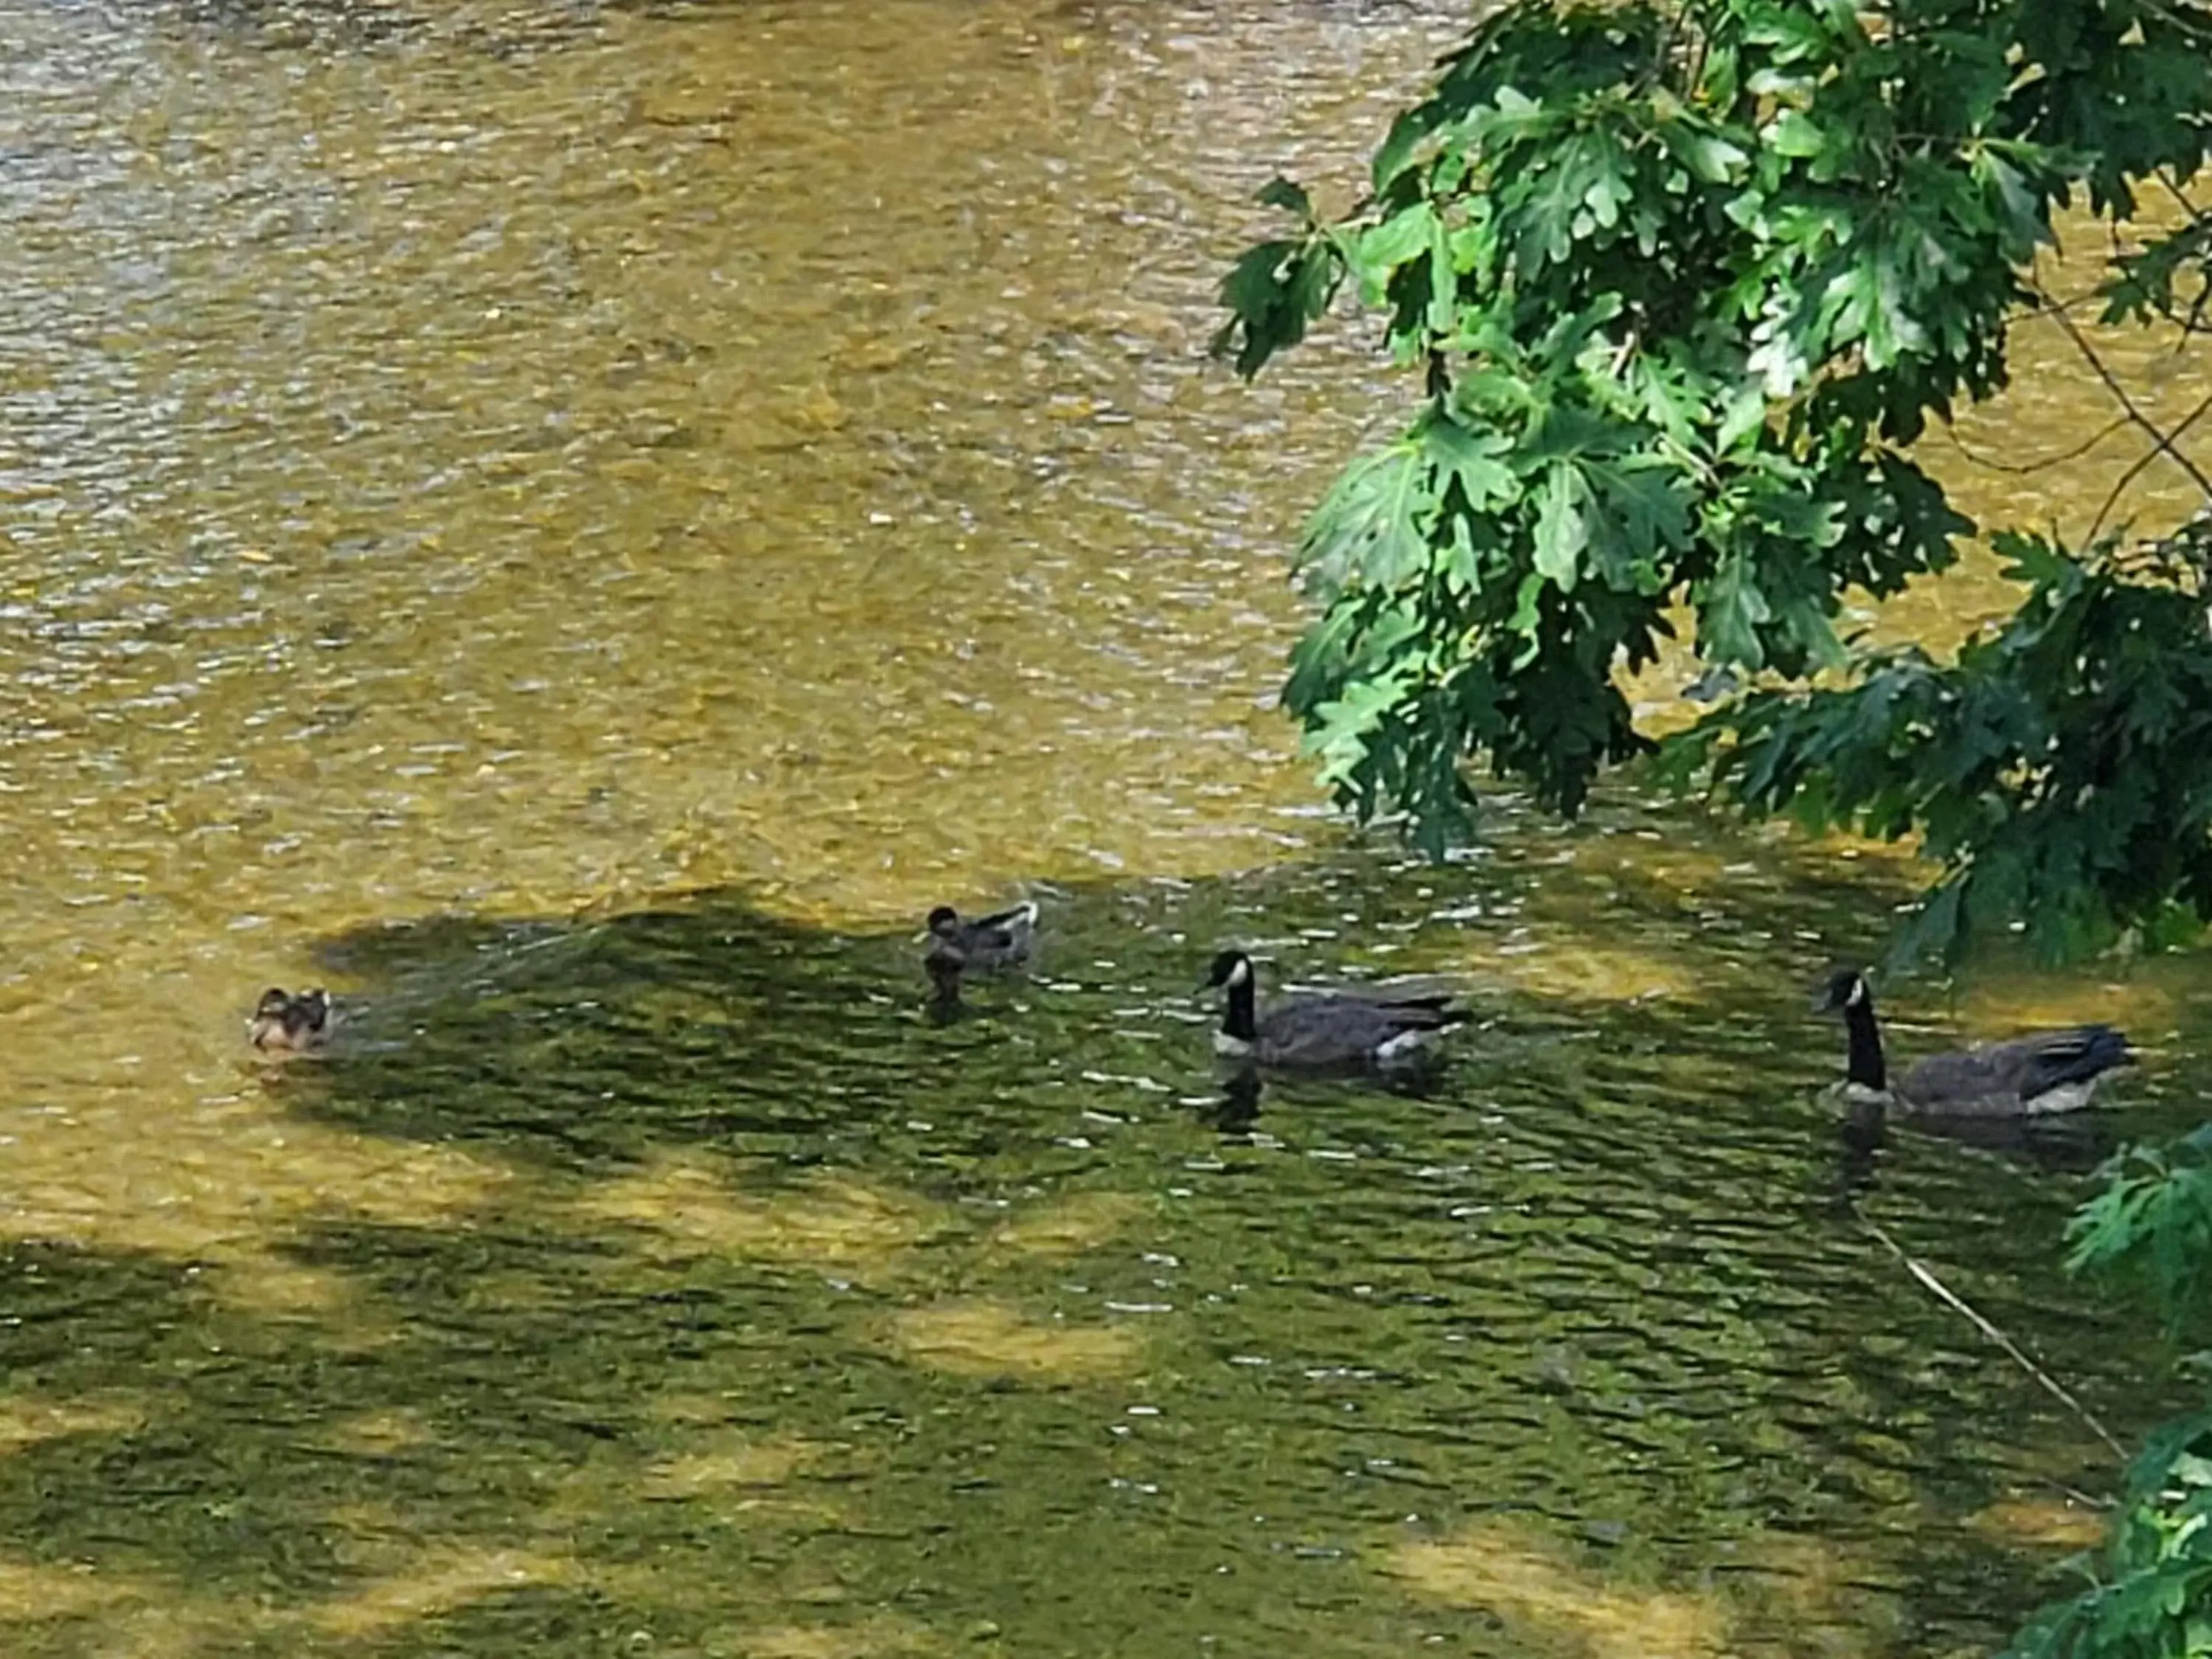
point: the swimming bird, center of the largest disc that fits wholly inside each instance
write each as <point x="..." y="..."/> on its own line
<point x="288" y="1023"/>
<point x="1373" y="1025"/>
<point x="986" y="944"/>
<point x="2031" y="1076"/>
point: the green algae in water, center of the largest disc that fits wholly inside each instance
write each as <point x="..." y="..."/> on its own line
<point x="807" y="1324"/>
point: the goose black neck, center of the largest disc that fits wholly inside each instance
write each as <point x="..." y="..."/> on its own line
<point x="1866" y="1068"/>
<point x="1236" y="1020"/>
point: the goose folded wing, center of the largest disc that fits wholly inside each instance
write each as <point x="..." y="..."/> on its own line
<point x="2051" y="1059"/>
<point x="1354" y="1021"/>
<point x="2021" y="1069"/>
<point x="1412" y="996"/>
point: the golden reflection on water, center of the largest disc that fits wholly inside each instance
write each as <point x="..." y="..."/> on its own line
<point x="1067" y="1226"/>
<point x="882" y="1634"/>
<point x="686" y="1207"/>
<point x="522" y="468"/>
<point x="435" y="1580"/>
<point x="716" y="453"/>
<point x="1782" y="1596"/>
<point x="26" y="1421"/>
<point x="622" y="468"/>
<point x="2042" y="1519"/>
<point x="549" y="477"/>
<point x="1556" y="1609"/>
<point x="982" y="1337"/>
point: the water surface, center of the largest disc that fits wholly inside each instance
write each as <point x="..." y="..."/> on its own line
<point x="578" y="526"/>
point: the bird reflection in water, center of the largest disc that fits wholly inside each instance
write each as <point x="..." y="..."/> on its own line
<point x="2066" y="1144"/>
<point x="945" y="1006"/>
<point x="1236" y="1107"/>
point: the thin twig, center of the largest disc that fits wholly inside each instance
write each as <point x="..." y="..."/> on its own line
<point x="2165" y="177"/>
<point x="2164" y="443"/>
<point x="2135" y="469"/>
<point x="2075" y="1495"/>
<point x="2048" y="461"/>
<point x="2049" y="304"/>
<point x="2179" y="24"/>
<point x="1951" y="1299"/>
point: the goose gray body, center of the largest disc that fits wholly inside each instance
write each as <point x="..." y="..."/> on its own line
<point x="1382" y="1025"/>
<point x="2033" y="1075"/>
<point x="985" y="943"/>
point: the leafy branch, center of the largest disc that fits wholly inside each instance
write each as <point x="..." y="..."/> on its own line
<point x="2148" y="1589"/>
<point x="1683" y="283"/>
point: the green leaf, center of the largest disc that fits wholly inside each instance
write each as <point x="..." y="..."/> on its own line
<point x="1744" y="414"/>
<point x="1403" y="237"/>
<point x="1794" y="134"/>
<point x="1640" y="514"/>
<point x="1443" y="280"/>
<point x="1732" y="613"/>
<point x="1666" y="399"/>
<point x="1371" y="529"/>
<point x="2024" y="214"/>
<point x="1562" y="529"/>
<point x="1254" y="282"/>
<point x="1406" y="134"/>
<point x="1710" y="158"/>
<point x="1471" y="459"/>
<point x="1280" y="193"/>
<point x="1272" y="293"/>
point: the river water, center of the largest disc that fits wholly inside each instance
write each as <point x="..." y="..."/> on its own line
<point x="577" y="527"/>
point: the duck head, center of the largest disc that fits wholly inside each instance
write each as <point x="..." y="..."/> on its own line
<point x="282" y="1020"/>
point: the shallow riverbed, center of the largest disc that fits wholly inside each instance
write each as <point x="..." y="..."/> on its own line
<point x="577" y="527"/>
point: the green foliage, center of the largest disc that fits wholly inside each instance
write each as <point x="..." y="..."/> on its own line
<point x="2170" y="279"/>
<point x="2059" y="771"/>
<point x="2150" y="1594"/>
<point x="2153" y="1221"/>
<point x="1681" y="284"/>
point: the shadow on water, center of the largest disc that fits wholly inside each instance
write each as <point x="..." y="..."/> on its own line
<point x="804" y="1323"/>
<point x="803" y="1308"/>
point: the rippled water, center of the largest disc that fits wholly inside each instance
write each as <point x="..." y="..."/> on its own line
<point x="578" y="525"/>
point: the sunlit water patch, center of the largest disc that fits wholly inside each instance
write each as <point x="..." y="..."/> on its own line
<point x="578" y="525"/>
<point x="801" y="1317"/>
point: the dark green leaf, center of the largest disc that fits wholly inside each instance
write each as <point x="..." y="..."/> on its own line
<point x="1562" y="531"/>
<point x="1282" y="193"/>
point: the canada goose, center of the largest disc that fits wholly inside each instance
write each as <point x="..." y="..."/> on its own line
<point x="1380" y="1025"/>
<point x="987" y="943"/>
<point x="2043" y="1072"/>
<point x="288" y="1023"/>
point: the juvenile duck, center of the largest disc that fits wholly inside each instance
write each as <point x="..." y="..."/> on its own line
<point x="2031" y="1076"/>
<point x="1380" y="1026"/>
<point x="986" y="944"/>
<point x="288" y="1023"/>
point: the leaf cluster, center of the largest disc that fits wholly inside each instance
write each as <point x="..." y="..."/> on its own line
<point x="1682" y="282"/>
<point x="2059" y="772"/>
<point x="2150" y="1590"/>
<point x="2152" y="1223"/>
